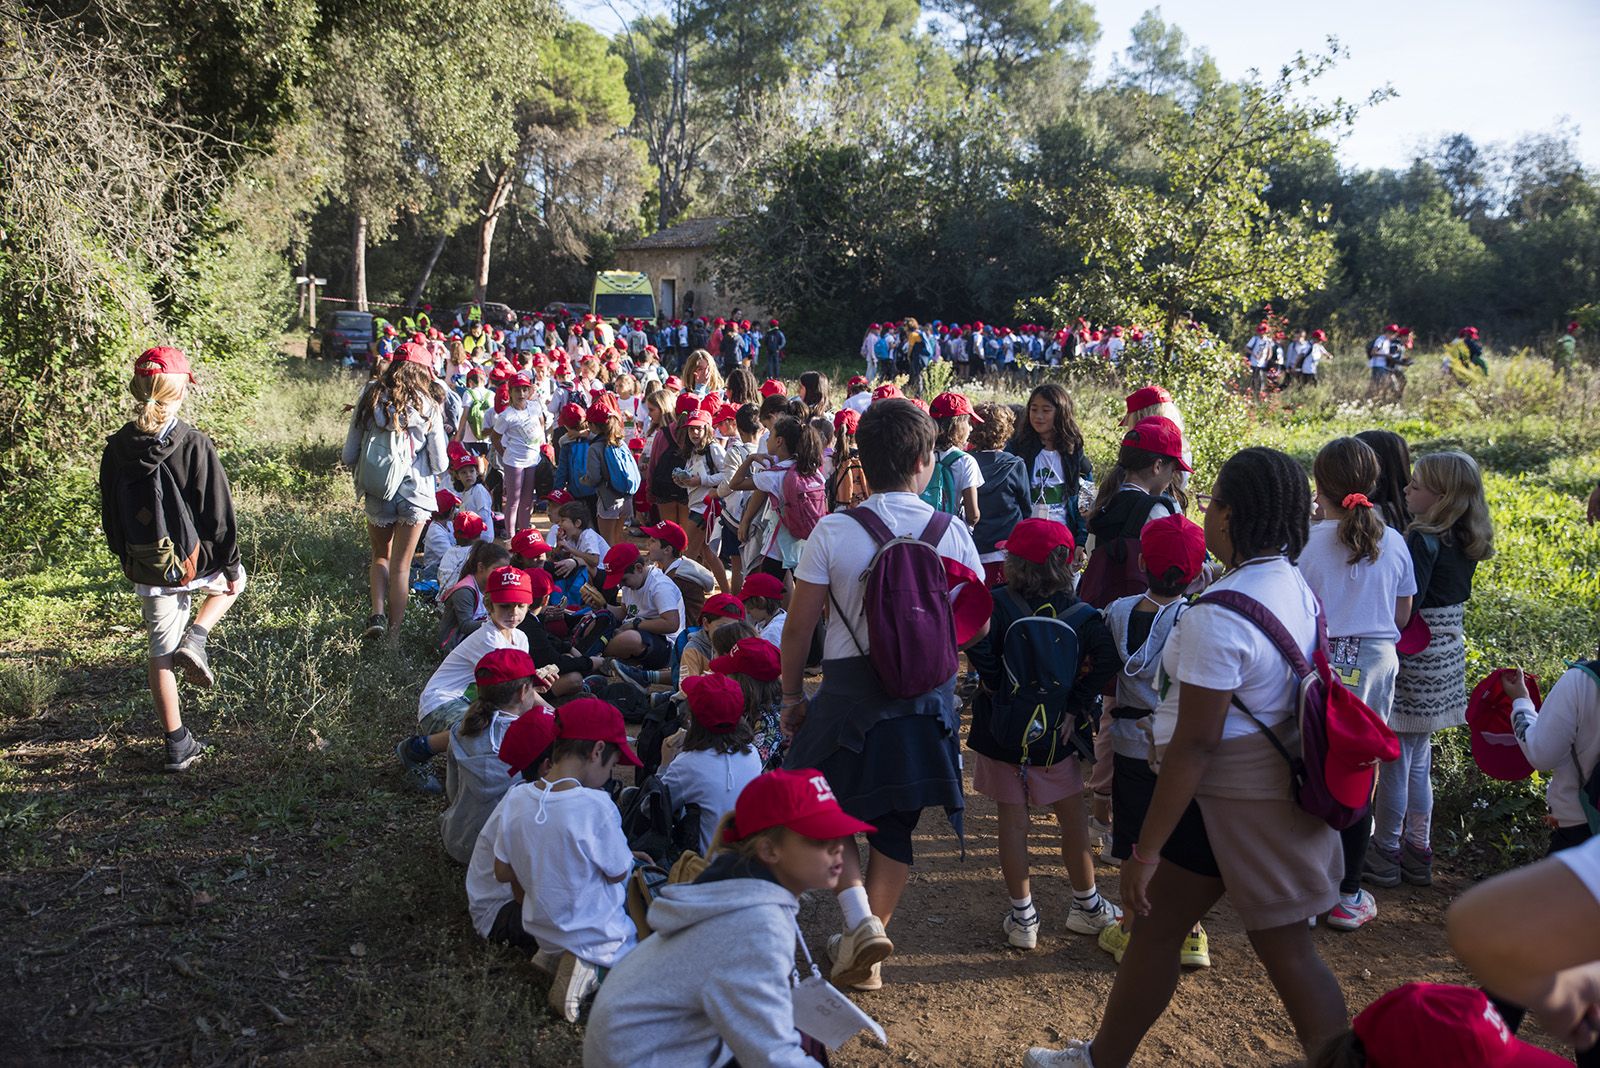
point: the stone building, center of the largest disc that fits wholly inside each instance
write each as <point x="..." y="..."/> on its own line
<point x="678" y="261"/>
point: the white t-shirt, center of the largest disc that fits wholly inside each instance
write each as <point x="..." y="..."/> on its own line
<point x="657" y="596"/>
<point x="858" y="402"/>
<point x="589" y="541"/>
<point x="457" y="671"/>
<point x="566" y="865"/>
<point x="1584" y="862"/>
<point x="1358" y="598"/>
<point x="1569" y="721"/>
<point x="772" y="630"/>
<point x="1048" y="486"/>
<point x="1258" y="348"/>
<point x="1380" y="349"/>
<point x="486" y="895"/>
<point x="964" y="470"/>
<point x="711" y="780"/>
<point x="1219" y="649"/>
<point x="840" y="549"/>
<point x="1314" y="356"/>
<point x="521" y="433"/>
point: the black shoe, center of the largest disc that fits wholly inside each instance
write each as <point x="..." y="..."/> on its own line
<point x="186" y="751"/>
<point x="191" y="657"/>
<point x="377" y="625"/>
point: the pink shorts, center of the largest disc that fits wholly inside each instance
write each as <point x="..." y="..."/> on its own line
<point x="1003" y="783"/>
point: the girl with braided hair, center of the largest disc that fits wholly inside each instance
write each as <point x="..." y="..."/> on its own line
<point x="1221" y="820"/>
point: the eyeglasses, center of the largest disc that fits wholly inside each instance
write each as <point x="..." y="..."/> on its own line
<point x="1203" y="500"/>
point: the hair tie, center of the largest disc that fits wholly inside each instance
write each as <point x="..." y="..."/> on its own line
<point x="1356" y="500"/>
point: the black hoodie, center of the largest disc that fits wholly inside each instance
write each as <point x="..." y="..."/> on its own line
<point x="193" y="462"/>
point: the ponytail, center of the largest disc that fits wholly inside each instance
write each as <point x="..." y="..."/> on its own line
<point x="159" y="396"/>
<point x="1346" y="471"/>
<point x="490" y="698"/>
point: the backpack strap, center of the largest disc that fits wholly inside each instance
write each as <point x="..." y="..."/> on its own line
<point x="876" y="528"/>
<point x="934" y="532"/>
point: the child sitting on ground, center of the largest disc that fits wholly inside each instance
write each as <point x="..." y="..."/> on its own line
<point x="464" y="606"/>
<point x="443" y="702"/>
<point x="1172" y="550"/>
<point x="467" y="527"/>
<point x="440" y="536"/>
<point x="719" y="610"/>
<point x="714" y="980"/>
<point x="762" y="595"/>
<point x="649" y="616"/>
<point x="562" y="849"/>
<point x="710" y="759"/>
<point x="753" y="663"/>
<point x="1038" y="570"/>
<point x="496" y="913"/>
<point x="475" y="780"/>
<point x="466" y="472"/>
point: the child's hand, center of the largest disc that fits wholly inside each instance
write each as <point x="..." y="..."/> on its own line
<point x="1515" y="684"/>
<point x="591" y="596"/>
<point x="547" y="676"/>
<point x="565" y="568"/>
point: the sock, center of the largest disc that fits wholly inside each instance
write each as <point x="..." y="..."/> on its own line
<point x="853" y="901"/>
<point x="179" y="735"/>
<point x="1086" y="899"/>
<point x="199" y="633"/>
<point x="1350" y="900"/>
<point x="1022" y="907"/>
<point x="417" y="746"/>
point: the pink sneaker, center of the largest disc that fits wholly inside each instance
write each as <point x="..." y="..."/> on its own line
<point x="1348" y="917"/>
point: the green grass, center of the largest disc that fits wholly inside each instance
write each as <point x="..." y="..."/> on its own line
<point x="296" y="844"/>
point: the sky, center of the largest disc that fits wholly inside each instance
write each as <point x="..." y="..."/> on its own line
<point x="1491" y="69"/>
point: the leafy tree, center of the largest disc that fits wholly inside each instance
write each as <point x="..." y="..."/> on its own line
<point x="999" y="44"/>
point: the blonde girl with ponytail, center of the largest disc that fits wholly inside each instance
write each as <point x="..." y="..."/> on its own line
<point x="1360" y="569"/>
<point x="167" y="512"/>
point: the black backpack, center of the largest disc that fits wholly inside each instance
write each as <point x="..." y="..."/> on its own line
<point x="661" y="720"/>
<point x="1113" y="570"/>
<point x="160" y="546"/>
<point x="651" y="825"/>
<point x="1042" y="654"/>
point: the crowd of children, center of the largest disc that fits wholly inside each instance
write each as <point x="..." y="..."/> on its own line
<point x="1132" y="670"/>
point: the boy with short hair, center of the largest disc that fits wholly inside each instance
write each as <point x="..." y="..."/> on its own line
<point x="1172" y="551"/>
<point x="496" y="913"/>
<point x="762" y="595"/>
<point x="693" y="581"/>
<point x="650" y="615"/>
<point x="561" y="847"/>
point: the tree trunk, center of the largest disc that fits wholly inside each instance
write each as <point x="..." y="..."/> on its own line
<point x="489" y="218"/>
<point x="358" y="262"/>
<point x="427" y="271"/>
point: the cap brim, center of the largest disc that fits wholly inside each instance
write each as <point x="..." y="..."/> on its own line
<point x="829" y="825"/>
<point x="1499" y="756"/>
<point x="612" y="581"/>
<point x="522" y="597"/>
<point x="976" y="421"/>
<point x="1349" y="786"/>
<point x="628" y="757"/>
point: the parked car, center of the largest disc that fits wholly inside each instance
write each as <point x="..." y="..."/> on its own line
<point x="347" y="333"/>
<point x="572" y="308"/>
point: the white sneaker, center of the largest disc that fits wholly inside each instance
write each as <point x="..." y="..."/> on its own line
<point x="1101" y="833"/>
<point x="1024" y="934"/>
<point x="1093" y="921"/>
<point x="546" y="961"/>
<point x="1075" y="1055"/>
<point x="1344" y="917"/>
<point x="857" y="953"/>
<point x="576" y="979"/>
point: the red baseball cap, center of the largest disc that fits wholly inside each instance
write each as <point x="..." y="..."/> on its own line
<point x="570" y="415"/>
<point x="668" y="533"/>
<point x="1494" y="746"/>
<point x="528" y="545"/>
<point x="461" y="456"/>
<point x="598" y="413"/>
<point x="445" y="501"/>
<point x="887" y="391"/>
<point x="618" y="559"/>
<point x="1392" y="328"/>
<point x="527" y="740"/>
<point x="949" y="405"/>
<point x="971" y="604"/>
<point x="162" y="360"/>
<point x="715" y="701"/>
<point x="1320" y="335"/>
<point x="636" y="444"/>
<point x="1428" y="1025"/>
<point x="710" y="403"/>
<point x="1159" y="435"/>
<point x="802" y="801"/>
<point x="589" y="719"/>
<point x="858" y="380"/>
<point x="560" y="496"/>
<point x="698" y="417"/>
<point x="726" y="412"/>
<point x="414" y="352"/>
<point x="773" y="388"/>
<point x="686" y="403"/>
<point x="510" y="585"/>
<point x="1148" y="397"/>
<point x="469" y="525"/>
<point x="846" y="419"/>
<point x="521" y="380"/>
<point x="503" y="665"/>
<point x="1262" y="328"/>
<point x="762" y="584"/>
<point x="673" y="383"/>
<point x="755" y="657"/>
<point x="725" y="605"/>
<point x="1035" y="539"/>
<point x="1173" y="541"/>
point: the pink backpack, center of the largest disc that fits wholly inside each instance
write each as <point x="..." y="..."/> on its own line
<point x="804" y="503"/>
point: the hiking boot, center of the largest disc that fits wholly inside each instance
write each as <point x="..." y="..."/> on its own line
<point x="1114" y="940"/>
<point x="1021" y="933"/>
<point x="377" y="626"/>
<point x="1075" y="1055"/>
<point x="1416" y="865"/>
<point x="420" y="772"/>
<point x="1381" y="868"/>
<point x="1344" y="917"/>
<point x="857" y="953"/>
<point x="190" y="656"/>
<point x="1093" y="921"/>
<point x="576" y="980"/>
<point x="183" y="752"/>
<point x="1196" y="951"/>
<point x="638" y="678"/>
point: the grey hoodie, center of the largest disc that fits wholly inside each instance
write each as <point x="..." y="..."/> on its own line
<point x="711" y="983"/>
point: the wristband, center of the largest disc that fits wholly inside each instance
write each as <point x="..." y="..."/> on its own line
<point x="1141" y="860"/>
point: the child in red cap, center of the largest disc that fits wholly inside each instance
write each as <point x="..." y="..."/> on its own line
<point x="463" y="605"/>
<point x="1172" y="551"/>
<point x="572" y="459"/>
<point x="956" y="478"/>
<point x="475" y="779"/>
<point x="1044" y="771"/>
<point x="649" y="613"/>
<point x="562" y="849"/>
<point x="607" y="450"/>
<point x="753" y="662"/>
<point x="714" y="978"/>
<point x="440" y="537"/>
<point x="1138" y="490"/>
<point x="465" y="528"/>
<point x="519" y="433"/>
<point x="466" y="473"/>
<point x="496" y="913"/>
<point x="443" y="702"/>
<point x="157" y="445"/>
<point x="762" y="595"/>
<point x="710" y="759"/>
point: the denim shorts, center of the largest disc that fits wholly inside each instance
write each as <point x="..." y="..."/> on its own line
<point x="382" y="513"/>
